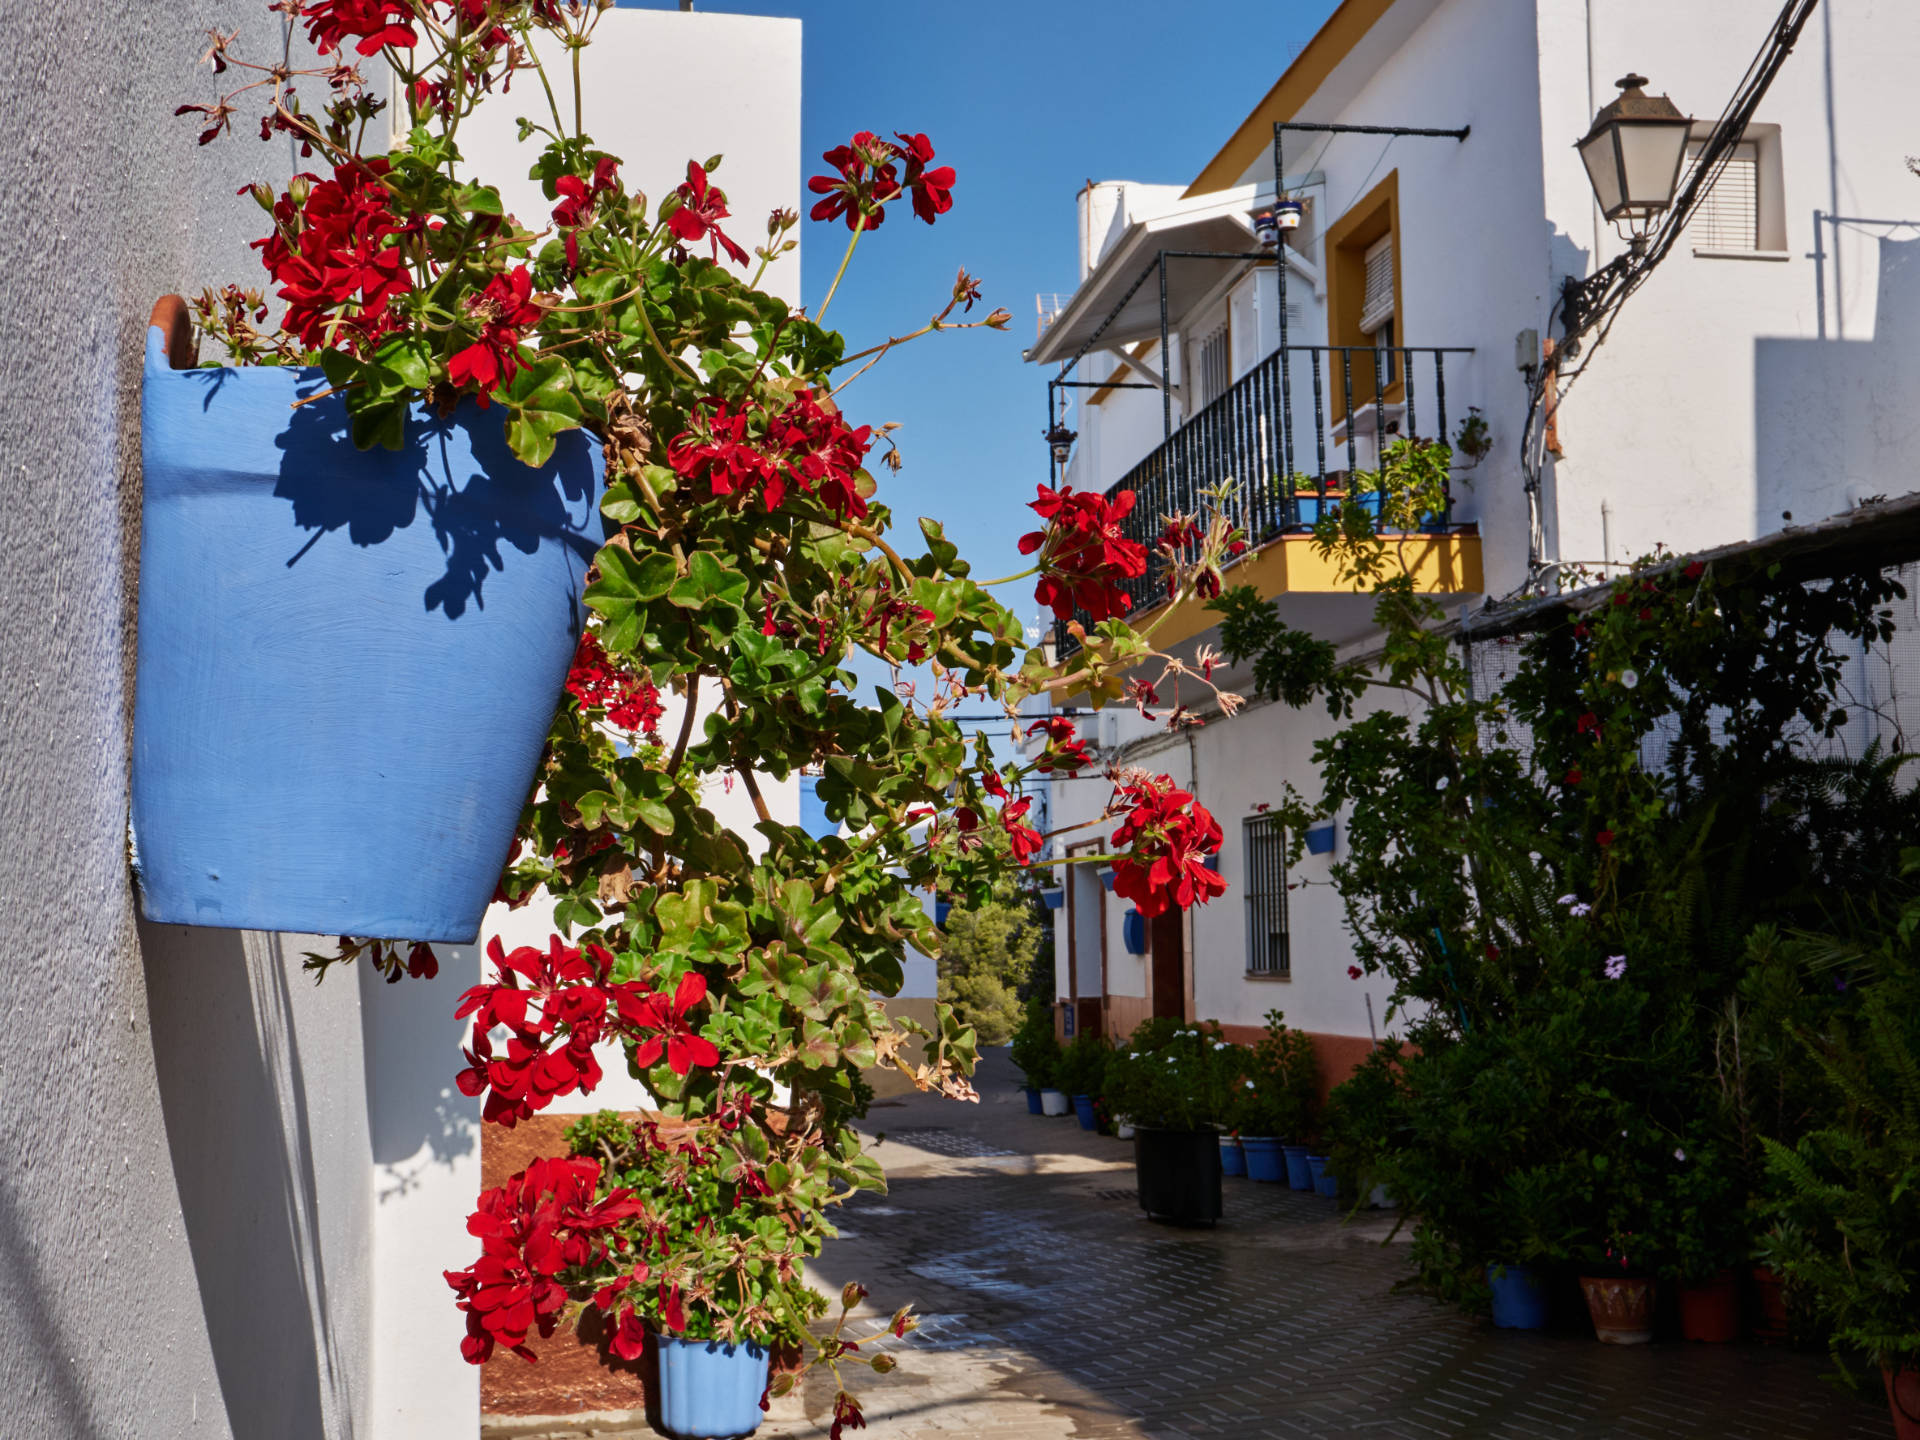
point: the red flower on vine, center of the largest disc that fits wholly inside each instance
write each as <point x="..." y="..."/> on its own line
<point x="1065" y="750"/>
<point x="1168" y="836"/>
<point x="807" y="444"/>
<point x="334" y="252"/>
<point x="1024" y="840"/>
<point x="596" y="682"/>
<point x="932" y="190"/>
<point x="542" y="1221"/>
<point x="503" y="312"/>
<point x="671" y="1034"/>
<point x="867" y="180"/>
<point x="578" y="200"/>
<point x="1083" y="555"/>
<point x="702" y="207"/>
<point x="374" y="23"/>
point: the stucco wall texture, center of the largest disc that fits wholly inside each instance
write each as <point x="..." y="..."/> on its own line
<point x="183" y="1153"/>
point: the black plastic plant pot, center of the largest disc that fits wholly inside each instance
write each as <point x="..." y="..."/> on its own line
<point x="1179" y="1174"/>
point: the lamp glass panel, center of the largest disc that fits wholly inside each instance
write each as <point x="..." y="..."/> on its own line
<point x="1650" y="155"/>
<point x="1603" y="169"/>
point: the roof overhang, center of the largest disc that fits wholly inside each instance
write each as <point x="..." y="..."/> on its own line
<point x="1218" y="222"/>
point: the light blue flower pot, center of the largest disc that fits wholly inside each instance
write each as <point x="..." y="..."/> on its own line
<point x="1233" y="1160"/>
<point x="1264" y="1161"/>
<point x="1299" y="1173"/>
<point x="1323" y="1183"/>
<point x="709" y="1391"/>
<point x="1083" y="1107"/>
<point x="1519" y="1297"/>
<point x="348" y="661"/>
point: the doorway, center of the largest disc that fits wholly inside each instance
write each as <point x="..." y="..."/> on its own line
<point x="1167" y="937"/>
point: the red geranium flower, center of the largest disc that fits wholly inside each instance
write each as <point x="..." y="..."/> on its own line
<point x="1168" y="836"/>
<point x="1065" y="750"/>
<point x="1083" y="555"/>
<point x="596" y="682"/>
<point x="374" y="23"/>
<point x="335" y="252"/>
<point x="671" y="1033"/>
<point x="503" y="312"/>
<point x="702" y="207"/>
<point x="932" y="189"/>
<point x="1022" y="837"/>
<point x="1603" y="839"/>
<point x="866" y="182"/>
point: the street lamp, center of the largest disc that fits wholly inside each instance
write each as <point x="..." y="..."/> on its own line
<point x="1633" y="153"/>
<point x="1061" y="439"/>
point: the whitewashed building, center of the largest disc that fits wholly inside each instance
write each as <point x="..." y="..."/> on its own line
<point x="1761" y="377"/>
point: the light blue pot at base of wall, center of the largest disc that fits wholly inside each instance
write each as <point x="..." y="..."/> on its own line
<point x="710" y="1391"/>
<point x="348" y="661"/>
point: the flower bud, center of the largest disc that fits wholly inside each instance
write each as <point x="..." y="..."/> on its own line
<point x="852" y="1295"/>
<point x="883" y="1363"/>
<point x="262" y="194"/>
<point x="299" y="188"/>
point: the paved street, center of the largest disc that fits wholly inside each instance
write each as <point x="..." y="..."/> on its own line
<point x="1055" y="1310"/>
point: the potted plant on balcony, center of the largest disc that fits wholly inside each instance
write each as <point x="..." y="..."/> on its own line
<point x="1168" y="1078"/>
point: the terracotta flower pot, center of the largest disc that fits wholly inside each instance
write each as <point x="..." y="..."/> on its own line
<point x="1903" y="1399"/>
<point x="1621" y="1307"/>
<point x="1770" y="1307"/>
<point x="1710" y="1311"/>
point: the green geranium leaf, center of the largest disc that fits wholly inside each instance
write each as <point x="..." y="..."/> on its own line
<point x="540" y="404"/>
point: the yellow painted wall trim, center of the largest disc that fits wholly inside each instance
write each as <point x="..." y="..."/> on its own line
<point x="1446" y="564"/>
<point x="1331" y="44"/>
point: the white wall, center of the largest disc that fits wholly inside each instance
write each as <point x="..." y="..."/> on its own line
<point x="661" y="88"/>
<point x="182" y="1206"/>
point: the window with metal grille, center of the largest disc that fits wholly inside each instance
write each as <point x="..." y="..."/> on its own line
<point x="1212" y="366"/>
<point x="1728" y="216"/>
<point x="1376" y="308"/>
<point x="1266" y="849"/>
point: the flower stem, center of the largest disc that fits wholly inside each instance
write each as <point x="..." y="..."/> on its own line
<point x="1009" y="579"/>
<point x="859" y="225"/>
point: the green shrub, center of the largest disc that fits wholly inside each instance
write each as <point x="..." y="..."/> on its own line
<point x="1279" y="1086"/>
<point x="1173" y="1076"/>
<point x="1083" y="1065"/>
<point x="1035" y="1049"/>
<point x="990" y="951"/>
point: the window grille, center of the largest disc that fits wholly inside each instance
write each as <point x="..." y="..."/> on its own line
<point x="1728" y="216"/>
<point x="1267" y="946"/>
<point x="1376" y="309"/>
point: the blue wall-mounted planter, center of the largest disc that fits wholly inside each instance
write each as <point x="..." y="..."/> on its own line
<point x="348" y="661"/>
<point x="709" y="1390"/>
<point x="1133" y="931"/>
<point x="1320" y="839"/>
<point x="1056" y="898"/>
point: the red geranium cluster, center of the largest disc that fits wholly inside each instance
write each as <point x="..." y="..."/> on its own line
<point x="807" y="444"/>
<point x="1167" y="835"/>
<point x="504" y="311"/>
<point x="1083" y="555"/>
<point x="542" y="1221"/>
<point x="596" y="682"/>
<point x="373" y="23"/>
<point x="1065" y="749"/>
<point x="870" y="179"/>
<point x="702" y="207"/>
<point x="1022" y="839"/>
<point x="335" y="254"/>
<point x="568" y="1004"/>
<point x="579" y="199"/>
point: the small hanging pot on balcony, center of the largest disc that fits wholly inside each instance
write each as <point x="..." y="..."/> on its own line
<point x="1288" y="214"/>
<point x="348" y="660"/>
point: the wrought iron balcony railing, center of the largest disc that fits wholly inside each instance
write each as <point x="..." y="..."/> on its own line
<point x="1276" y="456"/>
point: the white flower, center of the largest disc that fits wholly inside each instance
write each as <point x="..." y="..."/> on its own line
<point x="1249" y="1084"/>
<point x="1441" y="783"/>
<point x="1219" y="1044"/>
<point x="1567" y="900"/>
<point x="1579" y="912"/>
<point x="1616" y="966"/>
<point x="1679" y="1154"/>
<point x="1629" y="678"/>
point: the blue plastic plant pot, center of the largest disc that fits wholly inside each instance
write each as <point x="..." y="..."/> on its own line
<point x="710" y="1391"/>
<point x="348" y="661"/>
<point x="1106" y="876"/>
<point x="1083" y="1107"/>
<point x="1133" y="931"/>
<point x="1056" y="898"/>
<point x="1519" y="1297"/>
<point x="1325" y="1182"/>
<point x="1299" y="1173"/>
<point x="1033" y="1101"/>
<point x="1320" y="839"/>
<point x="1263" y="1158"/>
<point x="1232" y="1161"/>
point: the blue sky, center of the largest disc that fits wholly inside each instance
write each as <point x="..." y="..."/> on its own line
<point x="1027" y="101"/>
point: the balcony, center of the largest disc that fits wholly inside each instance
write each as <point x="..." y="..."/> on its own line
<point x="1275" y="433"/>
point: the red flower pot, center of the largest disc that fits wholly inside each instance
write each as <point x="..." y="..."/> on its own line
<point x="1621" y="1307"/>
<point x="1770" y="1307"/>
<point x="1903" y="1399"/>
<point x="1710" y="1311"/>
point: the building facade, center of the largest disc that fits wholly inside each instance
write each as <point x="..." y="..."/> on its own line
<point x="1755" y="381"/>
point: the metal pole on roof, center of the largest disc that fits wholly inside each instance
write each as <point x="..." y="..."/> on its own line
<point x="1166" y="378"/>
<point x="1286" y="379"/>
